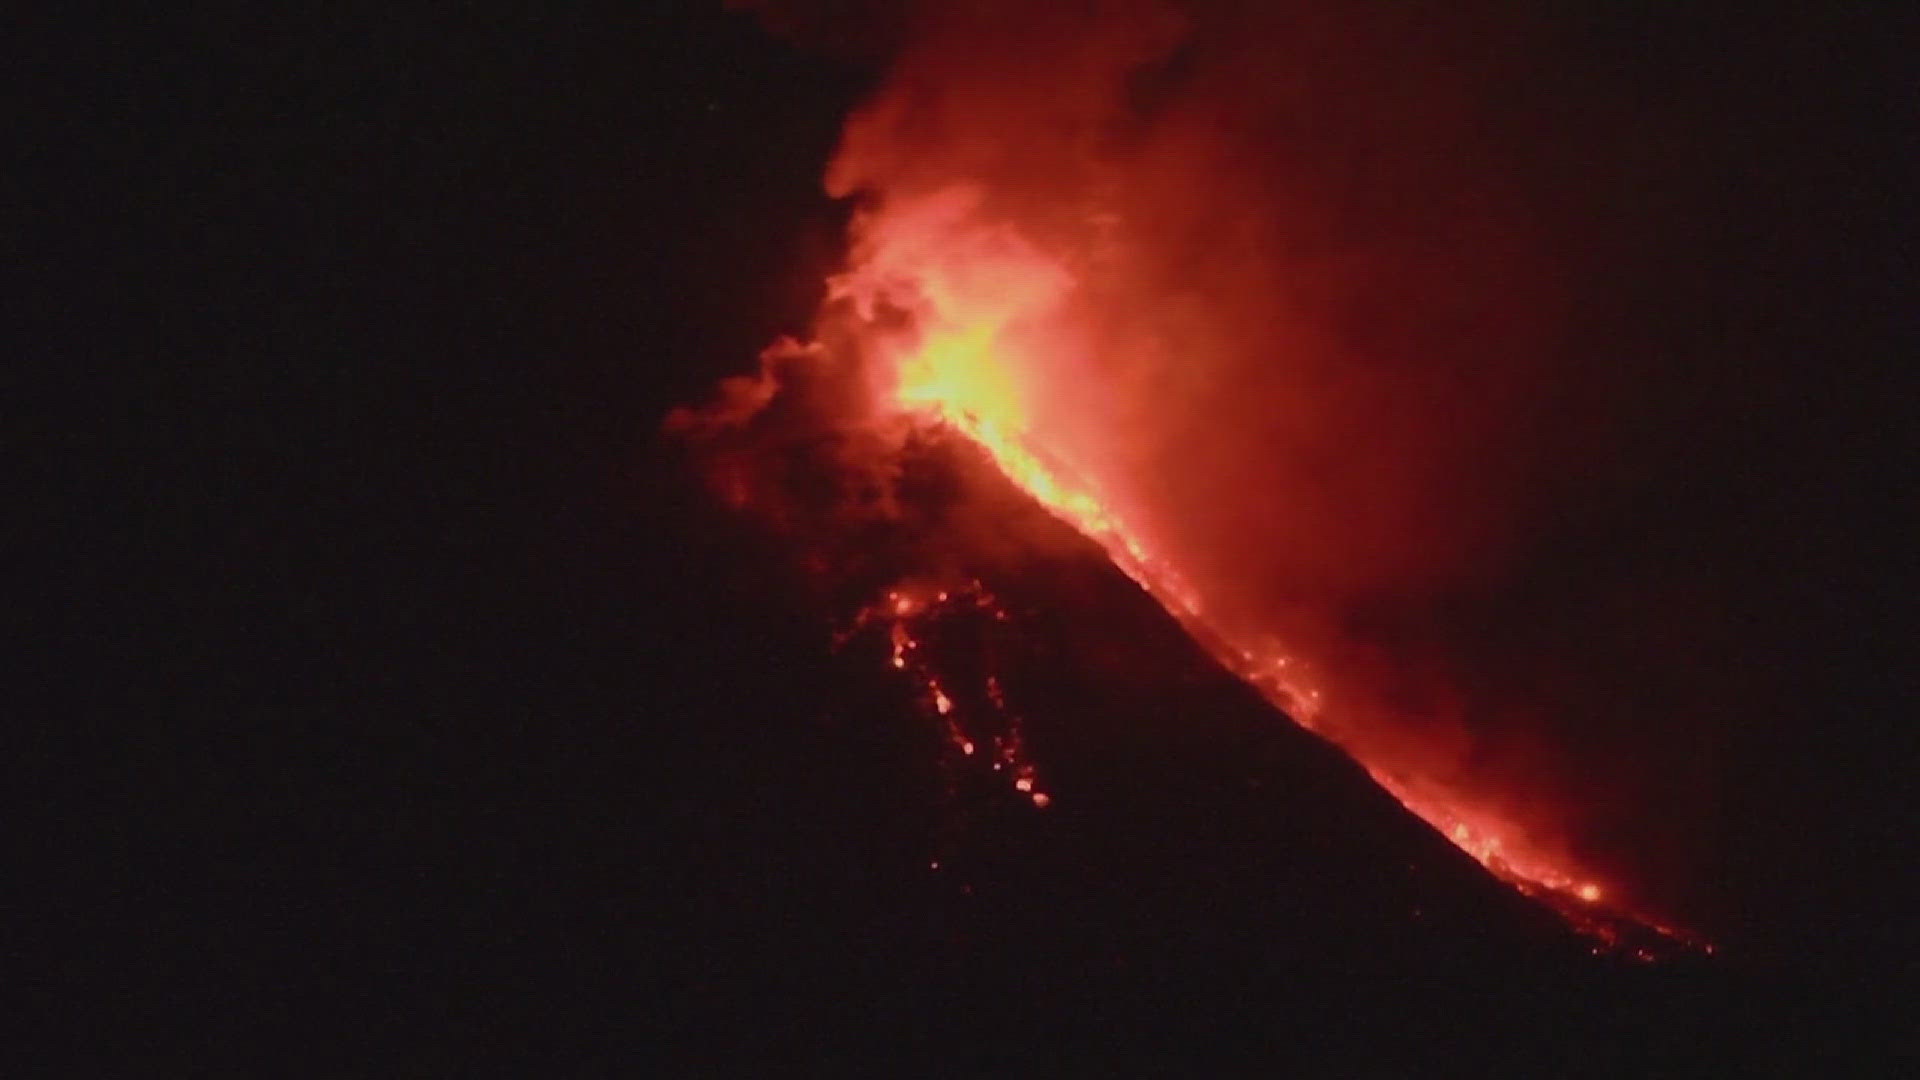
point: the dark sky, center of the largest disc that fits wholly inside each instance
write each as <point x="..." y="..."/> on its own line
<point x="389" y="655"/>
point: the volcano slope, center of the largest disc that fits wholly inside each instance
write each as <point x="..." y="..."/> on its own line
<point x="1062" y="828"/>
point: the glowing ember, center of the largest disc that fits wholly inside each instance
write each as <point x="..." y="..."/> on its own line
<point x="966" y="715"/>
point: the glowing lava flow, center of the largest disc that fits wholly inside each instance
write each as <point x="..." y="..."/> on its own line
<point x="986" y="315"/>
<point x="931" y="636"/>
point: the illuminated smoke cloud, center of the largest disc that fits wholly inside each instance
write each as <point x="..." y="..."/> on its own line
<point x="1276" y="302"/>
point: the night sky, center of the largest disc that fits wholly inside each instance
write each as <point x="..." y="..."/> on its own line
<point x="397" y="700"/>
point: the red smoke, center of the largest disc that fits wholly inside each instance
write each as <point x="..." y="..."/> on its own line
<point x="1279" y="303"/>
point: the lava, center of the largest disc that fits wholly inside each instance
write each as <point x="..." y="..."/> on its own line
<point x="929" y="633"/>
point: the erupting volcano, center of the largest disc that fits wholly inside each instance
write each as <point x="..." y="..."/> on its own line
<point x="1288" y="350"/>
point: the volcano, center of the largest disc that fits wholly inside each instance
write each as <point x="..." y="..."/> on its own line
<point x="395" y="702"/>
